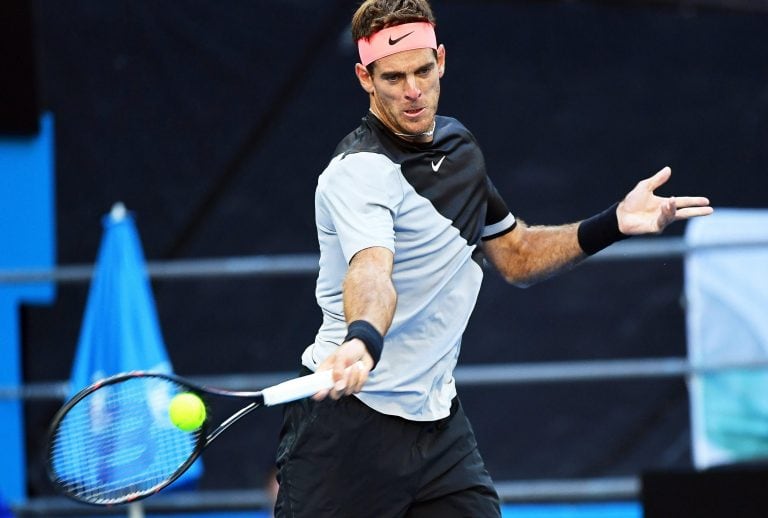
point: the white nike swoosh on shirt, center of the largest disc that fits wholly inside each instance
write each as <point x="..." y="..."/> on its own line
<point x="436" y="166"/>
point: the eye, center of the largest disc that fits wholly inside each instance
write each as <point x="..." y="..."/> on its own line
<point x="425" y="71"/>
<point x="391" y="78"/>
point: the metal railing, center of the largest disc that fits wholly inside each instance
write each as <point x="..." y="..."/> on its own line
<point x="465" y="375"/>
<point x="307" y="264"/>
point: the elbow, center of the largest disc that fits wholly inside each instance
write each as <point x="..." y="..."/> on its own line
<point x="517" y="279"/>
<point x="520" y="283"/>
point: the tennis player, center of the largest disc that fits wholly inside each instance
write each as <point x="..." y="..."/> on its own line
<point x="404" y="212"/>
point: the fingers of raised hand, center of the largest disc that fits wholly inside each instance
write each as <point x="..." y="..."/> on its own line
<point x="691" y="206"/>
<point x="658" y="179"/>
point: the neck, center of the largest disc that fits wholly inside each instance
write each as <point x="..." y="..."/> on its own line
<point x="419" y="137"/>
<point x="425" y="136"/>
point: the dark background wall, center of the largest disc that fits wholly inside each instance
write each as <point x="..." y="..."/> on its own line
<point x="211" y="120"/>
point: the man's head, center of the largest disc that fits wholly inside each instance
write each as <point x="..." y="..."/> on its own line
<point x="401" y="63"/>
<point x="374" y="15"/>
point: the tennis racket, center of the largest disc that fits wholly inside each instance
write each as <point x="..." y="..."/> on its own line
<point x="114" y="441"/>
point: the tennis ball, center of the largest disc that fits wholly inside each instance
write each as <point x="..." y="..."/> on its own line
<point x="187" y="411"/>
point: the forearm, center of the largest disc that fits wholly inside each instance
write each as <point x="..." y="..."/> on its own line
<point x="368" y="290"/>
<point x="536" y="252"/>
<point x="369" y="306"/>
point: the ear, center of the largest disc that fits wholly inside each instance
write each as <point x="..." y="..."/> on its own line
<point x="366" y="81"/>
<point x="441" y="60"/>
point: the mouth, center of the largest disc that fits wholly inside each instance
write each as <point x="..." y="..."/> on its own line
<point x="414" y="112"/>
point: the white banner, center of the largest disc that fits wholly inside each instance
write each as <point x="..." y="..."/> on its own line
<point x="726" y="291"/>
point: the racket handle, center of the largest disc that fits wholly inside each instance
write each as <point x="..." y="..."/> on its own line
<point x="297" y="388"/>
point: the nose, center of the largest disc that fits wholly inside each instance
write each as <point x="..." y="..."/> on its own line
<point x="412" y="90"/>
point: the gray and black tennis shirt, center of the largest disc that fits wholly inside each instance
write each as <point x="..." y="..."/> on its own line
<point x="430" y="204"/>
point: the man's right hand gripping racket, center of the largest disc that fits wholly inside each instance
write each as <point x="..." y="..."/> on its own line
<point x="114" y="441"/>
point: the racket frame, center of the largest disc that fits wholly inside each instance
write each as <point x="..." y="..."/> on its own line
<point x="204" y="439"/>
<point x="284" y="392"/>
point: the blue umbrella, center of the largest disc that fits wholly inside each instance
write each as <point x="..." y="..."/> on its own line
<point x="120" y="330"/>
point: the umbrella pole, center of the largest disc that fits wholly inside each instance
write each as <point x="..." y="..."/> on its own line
<point x="135" y="510"/>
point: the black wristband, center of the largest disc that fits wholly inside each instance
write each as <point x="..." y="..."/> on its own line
<point x="372" y="339"/>
<point x="600" y="231"/>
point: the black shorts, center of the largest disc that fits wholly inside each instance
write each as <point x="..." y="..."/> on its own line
<point x="342" y="459"/>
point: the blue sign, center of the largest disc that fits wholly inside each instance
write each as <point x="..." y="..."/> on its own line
<point x="27" y="241"/>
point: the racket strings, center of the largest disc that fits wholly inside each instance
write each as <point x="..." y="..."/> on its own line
<point x="118" y="443"/>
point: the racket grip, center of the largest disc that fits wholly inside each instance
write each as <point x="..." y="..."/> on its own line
<point x="297" y="388"/>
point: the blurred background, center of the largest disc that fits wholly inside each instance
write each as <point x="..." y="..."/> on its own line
<point x="211" y="121"/>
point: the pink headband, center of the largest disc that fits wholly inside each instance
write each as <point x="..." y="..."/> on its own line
<point x="398" y="38"/>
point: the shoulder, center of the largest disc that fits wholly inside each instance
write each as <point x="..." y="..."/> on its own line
<point x="358" y="164"/>
<point x="362" y="139"/>
<point x="450" y="127"/>
<point x="358" y="172"/>
<point x="450" y="123"/>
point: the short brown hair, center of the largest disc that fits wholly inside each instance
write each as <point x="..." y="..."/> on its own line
<point x="374" y="15"/>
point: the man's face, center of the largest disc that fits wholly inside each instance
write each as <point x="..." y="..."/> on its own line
<point x="405" y="88"/>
